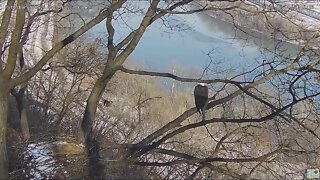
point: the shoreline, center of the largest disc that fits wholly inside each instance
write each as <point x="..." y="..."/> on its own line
<point x="271" y="24"/>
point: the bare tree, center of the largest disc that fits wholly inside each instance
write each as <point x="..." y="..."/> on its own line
<point x="12" y="43"/>
<point x="238" y="131"/>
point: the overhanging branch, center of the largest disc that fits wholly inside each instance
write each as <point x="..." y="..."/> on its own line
<point x="140" y="148"/>
<point x="57" y="47"/>
<point x="192" y="159"/>
<point x="175" y="77"/>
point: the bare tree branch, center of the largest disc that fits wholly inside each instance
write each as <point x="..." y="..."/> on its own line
<point x="4" y="26"/>
<point x="15" y="40"/>
<point x="56" y="48"/>
<point x="181" y="79"/>
<point x="146" y="21"/>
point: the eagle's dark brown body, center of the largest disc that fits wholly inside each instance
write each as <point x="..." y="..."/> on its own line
<point x="201" y="97"/>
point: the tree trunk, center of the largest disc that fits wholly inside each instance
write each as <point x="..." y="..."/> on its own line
<point x="23" y="114"/>
<point x="4" y="99"/>
<point x="20" y="98"/>
<point x="96" y="168"/>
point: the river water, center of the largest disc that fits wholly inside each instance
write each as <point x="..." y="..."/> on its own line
<point x="199" y="35"/>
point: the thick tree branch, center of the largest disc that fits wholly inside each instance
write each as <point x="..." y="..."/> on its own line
<point x="214" y="120"/>
<point x="203" y="123"/>
<point x="140" y="148"/>
<point x="57" y="47"/>
<point x="172" y="76"/>
<point x="203" y="164"/>
<point x="133" y="34"/>
<point x="176" y="122"/>
<point x="188" y="159"/>
<point x="192" y="159"/>
<point x="4" y="27"/>
<point x="171" y="8"/>
<point x="15" y="40"/>
<point x="146" y="21"/>
<point x="125" y="41"/>
<point x="112" y="51"/>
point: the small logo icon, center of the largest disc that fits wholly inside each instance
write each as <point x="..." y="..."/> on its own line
<point x="313" y="173"/>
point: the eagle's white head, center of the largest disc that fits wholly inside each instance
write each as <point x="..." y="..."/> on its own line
<point x="202" y="84"/>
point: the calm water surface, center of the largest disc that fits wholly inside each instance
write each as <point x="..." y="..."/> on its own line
<point x="160" y="47"/>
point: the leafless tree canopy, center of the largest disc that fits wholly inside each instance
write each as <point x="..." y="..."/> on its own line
<point x="58" y="81"/>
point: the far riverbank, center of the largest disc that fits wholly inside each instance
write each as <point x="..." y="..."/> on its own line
<point x="284" y="27"/>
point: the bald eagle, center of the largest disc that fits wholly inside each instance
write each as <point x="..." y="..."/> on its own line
<point x="201" y="97"/>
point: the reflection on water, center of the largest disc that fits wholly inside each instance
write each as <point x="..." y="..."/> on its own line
<point x="245" y="35"/>
<point x="160" y="46"/>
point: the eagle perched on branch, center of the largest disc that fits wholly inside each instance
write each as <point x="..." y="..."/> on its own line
<point x="201" y="97"/>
